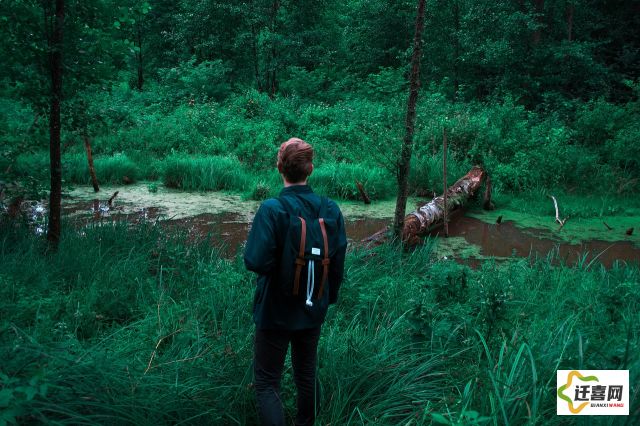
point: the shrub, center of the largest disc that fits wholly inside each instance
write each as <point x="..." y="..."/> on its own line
<point x="202" y="81"/>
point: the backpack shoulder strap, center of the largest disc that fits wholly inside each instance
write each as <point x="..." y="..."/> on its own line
<point x="325" y="240"/>
<point x="300" y="261"/>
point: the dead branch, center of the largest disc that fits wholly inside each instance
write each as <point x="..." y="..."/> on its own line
<point x="155" y="350"/>
<point x="558" y="220"/>
<point x="487" y="204"/>
<point x="363" y="193"/>
<point x="92" y="170"/>
<point x="110" y="202"/>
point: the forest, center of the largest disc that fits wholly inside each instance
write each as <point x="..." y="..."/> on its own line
<point x="139" y="138"/>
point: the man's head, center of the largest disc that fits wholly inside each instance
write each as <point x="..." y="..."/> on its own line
<point x="295" y="160"/>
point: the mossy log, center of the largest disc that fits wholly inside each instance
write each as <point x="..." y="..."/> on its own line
<point x="419" y="222"/>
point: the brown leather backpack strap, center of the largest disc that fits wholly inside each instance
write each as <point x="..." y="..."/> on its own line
<point x="326" y="260"/>
<point x="300" y="259"/>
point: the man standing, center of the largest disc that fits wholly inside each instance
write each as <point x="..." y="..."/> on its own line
<point x="281" y="316"/>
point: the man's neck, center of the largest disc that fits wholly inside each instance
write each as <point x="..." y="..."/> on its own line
<point x="288" y="184"/>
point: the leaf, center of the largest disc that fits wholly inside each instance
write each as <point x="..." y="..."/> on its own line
<point x="29" y="391"/>
<point x="471" y="414"/>
<point x="116" y="24"/>
<point x="440" y="419"/>
<point x="6" y="395"/>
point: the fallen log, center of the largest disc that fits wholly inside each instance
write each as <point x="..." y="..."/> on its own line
<point x="419" y="222"/>
<point x="429" y="215"/>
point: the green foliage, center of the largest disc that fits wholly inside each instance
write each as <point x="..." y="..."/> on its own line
<point x="122" y="313"/>
<point x="20" y="128"/>
<point x="263" y="188"/>
<point x="204" y="173"/>
<point x="339" y="180"/>
<point x="199" y="81"/>
<point x="113" y="169"/>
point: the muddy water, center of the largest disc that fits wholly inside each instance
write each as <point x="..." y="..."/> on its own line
<point x="506" y="240"/>
<point x="225" y="220"/>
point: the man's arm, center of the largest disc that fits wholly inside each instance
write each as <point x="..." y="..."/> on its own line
<point x="259" y="253"/>
<point x="337" y="269"/>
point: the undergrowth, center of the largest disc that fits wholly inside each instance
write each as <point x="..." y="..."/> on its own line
<point x="139" y="324"/>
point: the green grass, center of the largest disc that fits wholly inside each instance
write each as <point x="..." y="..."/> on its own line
<point x="116" y="169"/>
<point x="425" y="176"/>
<point x="142" y="325"/>
<point x="211" y="173"/>
<point x="586" y="215"/>
<point x="339" y="180"/>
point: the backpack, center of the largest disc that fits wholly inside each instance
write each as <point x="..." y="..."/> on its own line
<point x="308" y="247"/>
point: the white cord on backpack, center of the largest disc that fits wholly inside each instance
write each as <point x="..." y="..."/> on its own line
<point x="310" y="281"/>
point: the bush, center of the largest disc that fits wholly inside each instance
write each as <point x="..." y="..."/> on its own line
<point x="202" y="81"/>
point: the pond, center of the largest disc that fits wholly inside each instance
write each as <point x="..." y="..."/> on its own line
<point x="226" y="219"/>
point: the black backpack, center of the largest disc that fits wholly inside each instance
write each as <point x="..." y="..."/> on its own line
<point x="308" y="247"/>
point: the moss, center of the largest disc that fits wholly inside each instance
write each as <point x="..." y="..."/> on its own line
<point x="575" y="230"/>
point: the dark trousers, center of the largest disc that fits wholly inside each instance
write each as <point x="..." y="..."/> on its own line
<point x="270" y="352"/>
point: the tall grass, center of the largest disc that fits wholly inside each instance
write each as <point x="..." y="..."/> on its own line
<point x="142" y="325"/>
<point x="209" y="173"/>
<point x="425" y="176"/>
<point x="116" y="169"/>
<point x="339" y="180"/>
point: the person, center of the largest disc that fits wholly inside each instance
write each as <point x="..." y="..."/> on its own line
<point x="282" y="319"/>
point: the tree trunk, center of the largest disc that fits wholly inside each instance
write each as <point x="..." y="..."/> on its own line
<point x="570" y="9"/>
<point x="487" y="204"/>
<point x="539" y="10"/>
<point x="55" y="59"/>
<point x="272" y="76"/>
<point x="407" y="143"/>
<point x="254" y="47"/>
<point x="419" y="222"/>
<point x="456" y="61"/>
<point x="92" y="170"/>
<point x="139" y="57"/>
<point x="444" y="181"/>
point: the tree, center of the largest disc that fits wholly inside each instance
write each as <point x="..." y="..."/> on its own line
<point x="407" y="143"/>
<point x="55" y="55"/>
<point x="134" y="16"/>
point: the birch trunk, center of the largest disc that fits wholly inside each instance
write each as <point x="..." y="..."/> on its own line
<point x="419" y="222"/>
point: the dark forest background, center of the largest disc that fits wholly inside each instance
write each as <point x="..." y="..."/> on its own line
<point x="542" y="94"/>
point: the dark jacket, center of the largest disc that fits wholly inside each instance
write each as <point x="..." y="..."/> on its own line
<point x="271" y="308"/>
